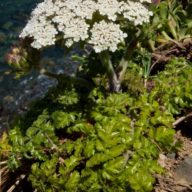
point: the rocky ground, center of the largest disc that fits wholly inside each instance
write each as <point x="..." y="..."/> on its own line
<point x="178" y="166"/>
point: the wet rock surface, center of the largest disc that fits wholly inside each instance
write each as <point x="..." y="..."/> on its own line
<point x="17" y="94"/>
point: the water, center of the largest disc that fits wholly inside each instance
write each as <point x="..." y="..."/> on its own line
<point x="16" y="94"/>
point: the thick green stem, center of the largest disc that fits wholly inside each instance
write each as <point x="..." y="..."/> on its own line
<point x="121" y="69"/>
<point x="114" y="83"/>
<point x="166" y="36"/>
<point x="117" y="76"/>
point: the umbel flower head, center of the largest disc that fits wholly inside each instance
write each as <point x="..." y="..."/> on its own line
<point x="95" y="22"/>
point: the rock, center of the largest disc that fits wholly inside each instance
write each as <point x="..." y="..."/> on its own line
<point x="162" y="160"/>
<point x="171" y="155"/>
<point x="183" y="173"/>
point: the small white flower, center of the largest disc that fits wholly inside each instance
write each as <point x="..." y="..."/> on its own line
<point x="46" y="8"/>
<point x="106" y="36"/>
<point x="69" y="43"/>
<point x="145" y="1"/>
<point x="136" y="12"/>
<point x="110" y="8"/>
<point x="76" y="29"/>
<point x="63" y="18"/>
<point x="82" y="8"/>
<point x="41" y="30"/>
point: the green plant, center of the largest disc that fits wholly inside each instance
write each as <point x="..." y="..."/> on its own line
<point x="171" y="24"/>
<point x="98" y="141"/>
<point x="85" y="137"/>
<point x="173" y="86"/>
<point x="102" y="26"/>
<point x="5" y="148"/>
<point x="102" y="148"/>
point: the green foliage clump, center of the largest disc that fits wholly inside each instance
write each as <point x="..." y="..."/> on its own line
<point x="93" y="140"/>
<point x="173" y="86"/>
<point x="5" y="148"/>
<point x="83" y="138"/>
<point x="111" y="144"/>
<point x="133" y="81"/>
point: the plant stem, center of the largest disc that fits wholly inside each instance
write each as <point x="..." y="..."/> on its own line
<point x="122" y="68"/>
<point x="116" y="77"/>
<point x="125" y="59"/>
<point x="145" y="82"/>
<point x="166" y="36"/>
<point x="50" y="141"/>
<point x="114" y="83"/>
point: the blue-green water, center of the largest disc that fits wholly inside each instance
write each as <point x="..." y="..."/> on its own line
<point x="16" y="94"/>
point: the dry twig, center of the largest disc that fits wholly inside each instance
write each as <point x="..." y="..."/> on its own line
<point x="178" y="121"/>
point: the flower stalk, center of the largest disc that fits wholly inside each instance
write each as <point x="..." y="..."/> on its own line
<point x="114" y="82"/>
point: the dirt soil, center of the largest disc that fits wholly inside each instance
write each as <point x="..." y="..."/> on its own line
<point x="178" y="166"/>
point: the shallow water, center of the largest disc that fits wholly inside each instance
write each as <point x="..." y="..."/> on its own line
<point x="16" y="94"/>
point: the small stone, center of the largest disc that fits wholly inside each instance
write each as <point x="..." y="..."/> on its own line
<point x="183" y="173"/>
<point x="171" y="155"/>
<point x="162" y="160"/>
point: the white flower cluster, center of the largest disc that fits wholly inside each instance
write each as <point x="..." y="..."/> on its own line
<point x="110" y="8"/>
<point x="136" y="12"/>
<point x="79" y="20"/>
<point x="106" y="36"/>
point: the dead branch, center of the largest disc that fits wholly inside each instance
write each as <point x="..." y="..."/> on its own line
<point x="178" y="121"/>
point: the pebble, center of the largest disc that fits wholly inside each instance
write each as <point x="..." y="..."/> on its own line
<point x="171" y="155"/>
